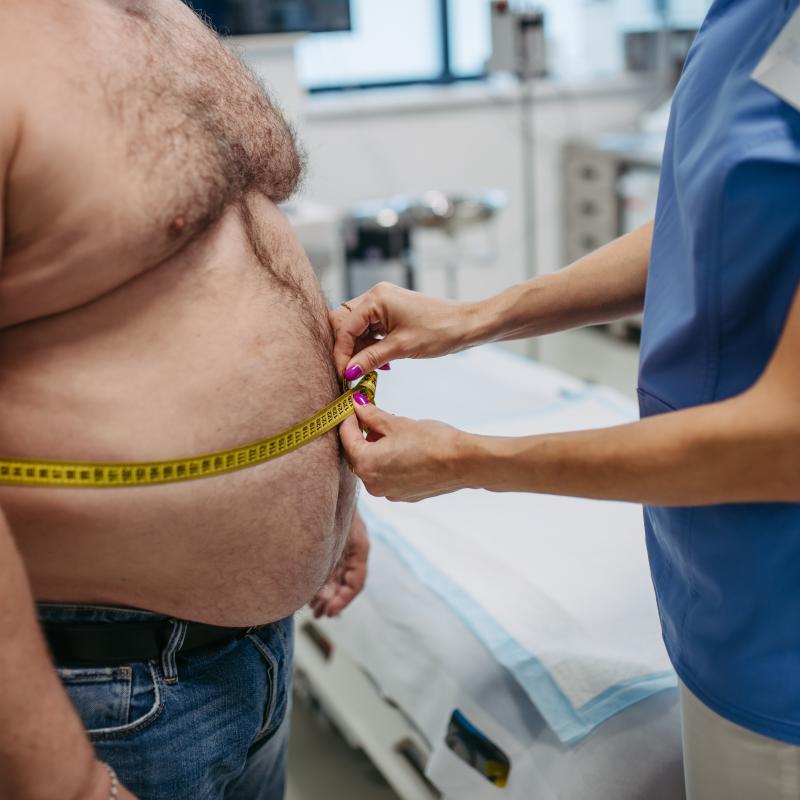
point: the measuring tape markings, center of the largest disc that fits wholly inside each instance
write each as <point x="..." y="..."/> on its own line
<point x="80" y="474"/>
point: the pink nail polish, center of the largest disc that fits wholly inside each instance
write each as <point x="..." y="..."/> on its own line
<point x="351" y="373"/>
<point x="361" y="399"/>
<point x="386" y="367"/>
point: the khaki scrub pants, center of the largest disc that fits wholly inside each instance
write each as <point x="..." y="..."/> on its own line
<point x="723" y="761"/>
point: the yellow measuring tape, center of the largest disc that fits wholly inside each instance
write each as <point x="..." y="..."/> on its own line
<point x="30" y="472"/>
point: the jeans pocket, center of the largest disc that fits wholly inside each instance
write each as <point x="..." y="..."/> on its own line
<point x="272" y="688"/>
<point x="275" y="645"/>
<point x="114" y="702"/>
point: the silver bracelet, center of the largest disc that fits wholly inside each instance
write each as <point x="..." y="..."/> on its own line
<point x="112" y="795"/>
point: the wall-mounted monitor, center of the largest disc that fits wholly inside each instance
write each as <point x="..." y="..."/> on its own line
<point x="242" y="17"/>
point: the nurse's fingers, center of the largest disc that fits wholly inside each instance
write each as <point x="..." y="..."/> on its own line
<point x="375" y="419"/>
<point x="352" y="438"/>
<point x="351" y="324"/>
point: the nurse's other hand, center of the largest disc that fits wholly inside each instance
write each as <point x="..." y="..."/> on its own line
<point x="349" y="575"/>
<point x="412" y="326"/>
<point x="403" y="459"/>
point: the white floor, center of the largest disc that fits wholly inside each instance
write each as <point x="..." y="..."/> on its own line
<point x="321" y="764"/>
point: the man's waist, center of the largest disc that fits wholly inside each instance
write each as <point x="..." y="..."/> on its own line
<point x="109" y="635"/>
<point x="45" y="472"/>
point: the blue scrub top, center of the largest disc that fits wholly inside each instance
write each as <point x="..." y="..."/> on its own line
<point x="724" y="268"/>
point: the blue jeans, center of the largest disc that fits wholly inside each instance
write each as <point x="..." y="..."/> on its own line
<point x="206" y="725"/>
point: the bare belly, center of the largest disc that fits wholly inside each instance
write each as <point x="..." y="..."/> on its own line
<point x="204" y="352"/>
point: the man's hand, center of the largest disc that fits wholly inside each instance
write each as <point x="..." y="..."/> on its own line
<point x="349" y="577"/>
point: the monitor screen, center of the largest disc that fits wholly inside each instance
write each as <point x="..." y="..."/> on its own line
<point x="240" y="17"/>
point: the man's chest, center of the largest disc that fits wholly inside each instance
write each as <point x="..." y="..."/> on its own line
<point x="142" y="130"/>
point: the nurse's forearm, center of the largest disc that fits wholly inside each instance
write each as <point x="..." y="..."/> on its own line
<point x="734" y="451"/>
<point x="607" y="284"/>
<point x="745" y="449"/>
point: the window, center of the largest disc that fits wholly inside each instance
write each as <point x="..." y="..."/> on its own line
<point x="439" y="41"/>
<point x="470" y="37"/>
<point x="242" y="17"/>
<point x="390" y="43"/>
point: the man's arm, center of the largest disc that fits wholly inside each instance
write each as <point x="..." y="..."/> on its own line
<point x="605" y="285"/>
<point x="44" y="751"/>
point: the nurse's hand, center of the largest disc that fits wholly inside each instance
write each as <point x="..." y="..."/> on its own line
<point x="412" y="326"/>
<point x="403" y="459"/>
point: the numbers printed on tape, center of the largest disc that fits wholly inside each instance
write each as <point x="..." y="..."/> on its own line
<point x="30" y="472"/>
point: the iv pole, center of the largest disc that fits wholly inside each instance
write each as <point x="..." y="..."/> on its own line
<point x="527" y="137"/>
<point x="526" y="61"/>
<point x="663" y="39"/>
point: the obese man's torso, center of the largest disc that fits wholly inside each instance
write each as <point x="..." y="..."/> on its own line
<point x="155" y="303"/>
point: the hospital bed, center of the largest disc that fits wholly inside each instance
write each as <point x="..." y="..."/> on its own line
<point x="506" y="646"/>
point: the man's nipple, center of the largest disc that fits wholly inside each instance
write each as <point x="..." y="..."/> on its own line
<point x="177" y="227"/>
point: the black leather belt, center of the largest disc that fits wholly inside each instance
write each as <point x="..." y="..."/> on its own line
<point x="109" y="643"/>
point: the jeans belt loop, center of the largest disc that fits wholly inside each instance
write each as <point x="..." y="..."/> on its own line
<point x="169" y="666"/>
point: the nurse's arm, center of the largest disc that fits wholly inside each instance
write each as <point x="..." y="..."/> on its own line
<point x="605" y="285"/>
<point x="744" y="449"/>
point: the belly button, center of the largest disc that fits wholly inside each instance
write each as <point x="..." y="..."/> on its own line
<point x="176" y="227"/>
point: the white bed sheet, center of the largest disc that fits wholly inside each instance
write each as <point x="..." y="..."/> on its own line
<point x="426" y="661"/>
<point x="558" y="589"/>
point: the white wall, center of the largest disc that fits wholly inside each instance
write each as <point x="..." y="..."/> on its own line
<point x="465" y="137"/>
<point x="461" y="138"/>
